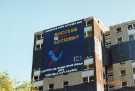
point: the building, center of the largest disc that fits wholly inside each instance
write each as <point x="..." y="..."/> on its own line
<point x="83" y="55"/>
<point x="69" y="57"/>
<point x="120" y="43"/>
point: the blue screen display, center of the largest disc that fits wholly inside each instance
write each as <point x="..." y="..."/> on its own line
<point x="122" y="52"/>
<point x="65" y="48"/>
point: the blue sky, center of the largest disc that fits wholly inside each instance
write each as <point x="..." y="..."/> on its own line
<point x="19" y="19"/>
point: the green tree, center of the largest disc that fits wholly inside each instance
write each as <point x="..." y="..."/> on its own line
<point x="5" y="82"/>
<point x="23" y="86"/>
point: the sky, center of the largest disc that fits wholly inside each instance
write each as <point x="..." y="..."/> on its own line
<point x="19" y="19"/>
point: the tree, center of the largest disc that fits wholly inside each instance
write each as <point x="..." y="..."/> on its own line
<point x="5" y="82"/>
<point x="23" y="86"/>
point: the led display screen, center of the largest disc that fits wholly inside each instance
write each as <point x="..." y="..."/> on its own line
<point x="66" y="47"/>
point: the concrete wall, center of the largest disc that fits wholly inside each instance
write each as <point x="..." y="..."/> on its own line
<point x="117" y="68"/>
<point x="127" y="64"/>
<point x="115" y="35"/>
<point x="73" y="79"/>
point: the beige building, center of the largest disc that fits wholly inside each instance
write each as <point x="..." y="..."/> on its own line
<point x="69" y="80"/>
<point x="121" y="74"/>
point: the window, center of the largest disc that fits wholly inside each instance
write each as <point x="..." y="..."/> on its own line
<point x="65" y="83"/>
<point x="119" y="40"/>
<point x="129" y="27"/>
<point x="123" y="72"/>
<point x="131" y="37"/>
<point x="118" y="29"/>
<point x="41" y="45"/>
<point x="85" y="80"/>
<point x="40" y="88"/>
<point x="39" y="36"/>
<point x="134" y="70"/>
<point x="51" y="86"/>
<point x="37" y="46"/>
<point x="134" y="25"/>
<point x="42" y="35"/>
<point x="91" y="79"/>
<point x="124" y="84"/>
<point x="87" y="32"/>
<point x="88" y="23"/>
<point x="98" y="21"/>
<point x="36" y="78"/>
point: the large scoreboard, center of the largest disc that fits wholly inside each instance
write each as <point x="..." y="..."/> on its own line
<point x="66" y="47"/>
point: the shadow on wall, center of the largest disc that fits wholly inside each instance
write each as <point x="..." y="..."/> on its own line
<point x="122" y="52"/>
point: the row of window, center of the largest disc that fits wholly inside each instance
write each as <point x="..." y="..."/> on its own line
<point x="51" y="86"/>
<point x="131" y="26"/>
<point x="131" y="37"/>
<point x="88" y="79"/>
<point x="123" y="72"/>
<point x="66" y="83"/>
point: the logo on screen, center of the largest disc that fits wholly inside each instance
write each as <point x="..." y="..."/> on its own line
<point x="55" y="55"/>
